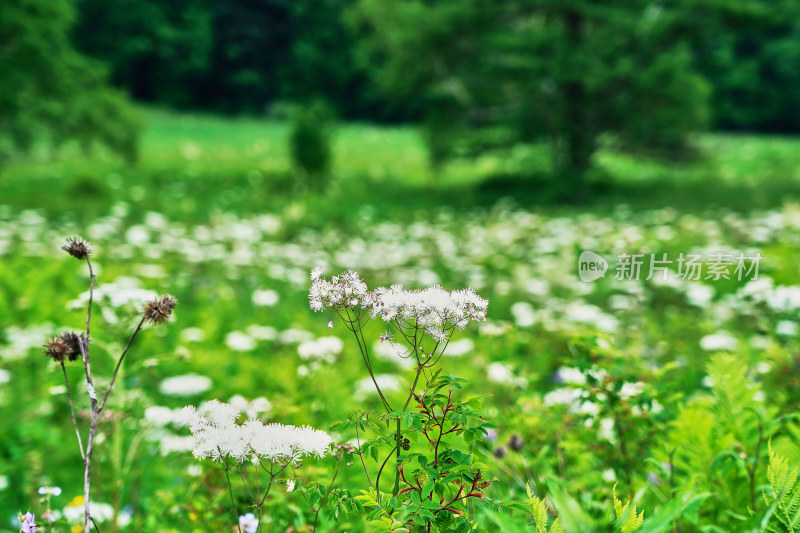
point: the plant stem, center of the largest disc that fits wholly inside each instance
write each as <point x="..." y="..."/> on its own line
<point x="397" y="473"/>
<point x="327" y="492"/>
<point x="361" y="455"/>
<point x="72" y="412"/>
<point x="230" y="492"/>
<point x="87" y="460"/>
<point x="119" y="363"/>
<point x="380" y="470"/>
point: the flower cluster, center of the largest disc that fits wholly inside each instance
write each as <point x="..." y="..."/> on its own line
<point x="343" y="291"/>
<point x="217" y="436"/>
<point x="433" y="308"/>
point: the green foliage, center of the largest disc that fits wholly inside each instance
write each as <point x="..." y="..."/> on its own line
<point x="51" y="92"/>
<point x="152" y="48"/>
<point x="627" y="518"/>
<point x="783" y="480"/>
<point x="613" y="516"/>
<point x="540" y="514"/>
<point x="496" y="74"/>
<point x="747" y="50"/>
<point x="310" y="144"/>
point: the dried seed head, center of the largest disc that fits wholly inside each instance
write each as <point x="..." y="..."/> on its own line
<point x="158" y="311"/>
<point x="77" y="248"/>
<point x="65" y="347"/>
<point x="516" y="443"/>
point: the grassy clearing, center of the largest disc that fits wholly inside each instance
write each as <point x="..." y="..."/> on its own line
<point x="192" y="165"/>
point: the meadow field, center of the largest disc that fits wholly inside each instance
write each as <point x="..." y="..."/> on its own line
<point x="679" y="395"/>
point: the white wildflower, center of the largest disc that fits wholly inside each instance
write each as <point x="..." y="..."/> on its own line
<point x="629" y="390"/>
<point x="324" y="348"/>
<point x="193" y="335"/>
<point x="386" y="382"/>
<point x="159" y="416"/>
<point x="459" y="347"/>
<point x="240" y="341"/>
<point x="719" y="341"/>
<point x="563" y="396"/>
<point x="186" y="385"/>
<point x="501" y="373"/>
<point x="217" y="436"/>
<point x="572" y="376"/>
<point x="248" y="523"/>
<point x="265" y="298"/>
<point x="787" y="328"/>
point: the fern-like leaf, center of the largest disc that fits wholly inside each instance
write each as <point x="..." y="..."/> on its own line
<point x="627" y="517"/>
<point x="540" y="514"/>
<point x="786" y="488"/>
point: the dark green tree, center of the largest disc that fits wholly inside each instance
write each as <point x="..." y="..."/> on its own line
<point x="323" y="64"/>
<point x="749" y="50"/>
<point x="156" y="49"/>
<point x="571" y="72"/>
<point x="48" y="91"/>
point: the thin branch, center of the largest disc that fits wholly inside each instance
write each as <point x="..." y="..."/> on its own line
<point x="119" y="363"/>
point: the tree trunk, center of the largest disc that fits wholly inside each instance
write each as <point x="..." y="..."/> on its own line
<point x="579" y="138"/>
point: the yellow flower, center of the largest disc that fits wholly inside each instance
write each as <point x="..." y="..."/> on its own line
<point x="77" y="501"/>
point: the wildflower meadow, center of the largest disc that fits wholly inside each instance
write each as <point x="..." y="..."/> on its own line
<point x="432" y="368"/>
<point x="399" y="266"/>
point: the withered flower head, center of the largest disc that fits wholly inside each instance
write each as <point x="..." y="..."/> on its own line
<point x="66" y="346"/>
<point x="77" y="248"/>
<point x="158" y="311"/>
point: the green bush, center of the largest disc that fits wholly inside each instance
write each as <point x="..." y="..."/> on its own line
<point x="310" y="144"/>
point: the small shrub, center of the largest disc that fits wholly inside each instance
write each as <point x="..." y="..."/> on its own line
<point x="310" y="144"/>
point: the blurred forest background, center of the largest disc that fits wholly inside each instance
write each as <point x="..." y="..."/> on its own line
<point x="479" y="76"/>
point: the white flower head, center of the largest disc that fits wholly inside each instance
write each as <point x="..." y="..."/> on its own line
<point x="217" y="436"/>
<point x="186" y="385"/>
<point x="432" y="308"/>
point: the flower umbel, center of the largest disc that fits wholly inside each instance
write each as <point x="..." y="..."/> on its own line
<point x="217" y="436"/>
<point x="433" y="308"/>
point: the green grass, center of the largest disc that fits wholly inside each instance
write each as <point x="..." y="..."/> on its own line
<point x="192" y="165"/>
